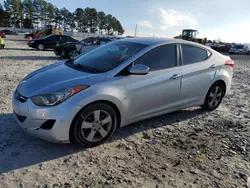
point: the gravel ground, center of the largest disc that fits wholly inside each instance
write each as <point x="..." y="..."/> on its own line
<point x="189" y="148"/>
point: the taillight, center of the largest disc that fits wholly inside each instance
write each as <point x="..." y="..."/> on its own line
<point x="230" y="63"/>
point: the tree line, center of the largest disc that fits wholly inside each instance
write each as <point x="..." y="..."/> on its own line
<point x="34" y="13"/>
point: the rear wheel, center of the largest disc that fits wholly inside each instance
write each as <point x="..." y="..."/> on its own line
<point x="214" y="96"/>
<point x="93" y="125"/>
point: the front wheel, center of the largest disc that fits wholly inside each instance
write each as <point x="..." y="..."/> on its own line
<point x="214" y="96"/>
<point x="73" y="54"/>
<point x="93" y="125"/>
<point x="40" y="47"/>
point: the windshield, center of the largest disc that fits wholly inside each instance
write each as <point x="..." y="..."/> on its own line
<point x="238" y="46"/>
<point x="108" y="56"/>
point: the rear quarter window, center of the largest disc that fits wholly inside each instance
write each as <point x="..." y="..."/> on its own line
<point x="193" y="54"/>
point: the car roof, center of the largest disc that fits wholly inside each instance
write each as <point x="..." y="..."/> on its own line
<point x="154" y="40"/>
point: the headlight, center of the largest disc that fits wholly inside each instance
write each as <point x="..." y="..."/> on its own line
<point x="56" y="97"/>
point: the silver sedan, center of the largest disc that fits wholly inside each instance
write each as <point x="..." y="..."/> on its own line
<point x="85" y="99"/>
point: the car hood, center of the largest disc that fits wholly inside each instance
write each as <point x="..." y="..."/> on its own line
<point x="55" y="77"/>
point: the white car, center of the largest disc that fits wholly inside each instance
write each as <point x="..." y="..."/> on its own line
<point x="239" y="49"/>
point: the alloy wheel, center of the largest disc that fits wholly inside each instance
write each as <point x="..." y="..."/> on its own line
<point x="72" y="54"/>
<point x="96" y="125"/>
<point x="215" y="96"/>
<point x="40" y="47"/>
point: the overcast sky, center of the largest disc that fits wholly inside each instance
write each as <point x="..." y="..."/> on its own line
<point x="225" y="19"/>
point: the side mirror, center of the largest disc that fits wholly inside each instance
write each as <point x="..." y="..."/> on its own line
<point x="139" y="69"/>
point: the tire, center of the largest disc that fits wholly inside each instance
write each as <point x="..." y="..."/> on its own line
<point x="214" y="96"/>
<point x="40" y="47"/>
<point x="72" y="54"/>
<point x="89" y="131"/>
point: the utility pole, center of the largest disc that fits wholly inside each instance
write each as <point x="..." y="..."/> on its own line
<point x="135" y="30"/>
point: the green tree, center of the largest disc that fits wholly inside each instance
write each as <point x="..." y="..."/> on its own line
<point x="30" y="12"/>
<point x="13" y="9"/>
<point x="50" y="13"/>
<point x="92" y="18"/>
<point x="109" y="24"/>
<point x="102" y="21"/>
<point x="120" y="29"/>
<point x="58" y="18"/>
<point x="21" y="13"/>
<point x="66" y="18"/>
<point x="4" y="17"/>
<point x="81" y="20"/>
<point x="41" y="9"/>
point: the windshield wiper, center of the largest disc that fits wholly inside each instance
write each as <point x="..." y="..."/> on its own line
<point x="69" y="61"/>
<point x="88" y="69"/>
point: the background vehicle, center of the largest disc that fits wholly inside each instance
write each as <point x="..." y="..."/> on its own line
<point x="2" y="34"/>
<point x="72" y="49"/>
<point x="85" y="99"/>
<point x="66" y="49"/>
<point x="50" y="42"/>
<point x="92" y="43"/>
<point x="239" y="49"/>
<point x="190" y="35"/>
<point x="22" y="33"/>
<point x="8" y="32"/>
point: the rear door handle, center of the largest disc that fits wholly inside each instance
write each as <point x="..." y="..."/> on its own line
<point x="175" y="76"/>
<point x="212" y="66"/>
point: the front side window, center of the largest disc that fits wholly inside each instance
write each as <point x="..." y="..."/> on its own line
<point x="192" y="54"/>
<point x="161" y="57"/>
<point x="108" y="56"/>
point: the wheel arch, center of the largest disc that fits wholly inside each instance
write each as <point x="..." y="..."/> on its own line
<point x="111" y="104"/>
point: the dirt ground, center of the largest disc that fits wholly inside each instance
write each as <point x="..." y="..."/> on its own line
<point x="190" y="148"/>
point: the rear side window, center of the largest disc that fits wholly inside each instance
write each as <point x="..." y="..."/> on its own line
<point x="161" y="57"/>
<point x="67" y="38"/>
<point x="192" y="54"/>
<point x="54" y="38"/>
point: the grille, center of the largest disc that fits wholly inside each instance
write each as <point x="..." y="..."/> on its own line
<point x="20" y="97"/>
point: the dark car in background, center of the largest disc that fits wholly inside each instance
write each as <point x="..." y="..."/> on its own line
<point x="66" y="49"/>
<point x="50" y="42"/>
<point x="8" y="32"/>
<point x="72" y="49"/>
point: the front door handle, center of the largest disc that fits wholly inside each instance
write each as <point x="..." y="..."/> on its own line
<point x="175" y="76"/>
<point x="212" y="66"/>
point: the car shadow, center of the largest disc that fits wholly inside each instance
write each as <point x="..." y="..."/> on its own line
<point x="23" y="58"/>
<point x="11" y="39"/>
<point x="22" y="49"/>
<point x="19" y="150"/>
<point x="27" y="49"/>
<point x="156" y="122"/>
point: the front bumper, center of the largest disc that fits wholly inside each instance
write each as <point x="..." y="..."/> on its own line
<point x="31" y="117"/>
<point x="32" y="45"/>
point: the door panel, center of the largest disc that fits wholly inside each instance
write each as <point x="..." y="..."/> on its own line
<point x="152" y="93"/>
<point x="197" y="77"/>
<point x="158" y="91"/>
